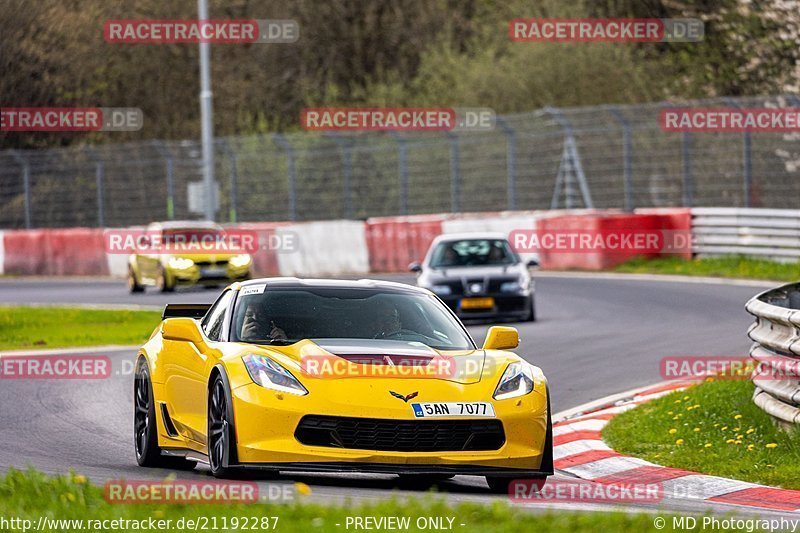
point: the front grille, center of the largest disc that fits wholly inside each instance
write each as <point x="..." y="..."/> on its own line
<point x="212" y="264"/>
<point x="400" y="435"/>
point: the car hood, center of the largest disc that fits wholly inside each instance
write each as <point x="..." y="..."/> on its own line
<point x="348" y="358"/>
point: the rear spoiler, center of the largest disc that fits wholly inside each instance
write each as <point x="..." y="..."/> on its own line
<point x="185" y="310"/>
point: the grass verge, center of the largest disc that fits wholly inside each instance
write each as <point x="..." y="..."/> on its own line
<point x="713" y="428"/>
<point x="727" y="267"/>
<point x="30" y="495"/>
<point x="57" y="327"/>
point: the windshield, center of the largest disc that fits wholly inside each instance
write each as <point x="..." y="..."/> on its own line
<point x="473" y="252"/>
<point x="284" y="316"/>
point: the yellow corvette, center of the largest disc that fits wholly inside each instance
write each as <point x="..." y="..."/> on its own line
<point x="284" y="374"/>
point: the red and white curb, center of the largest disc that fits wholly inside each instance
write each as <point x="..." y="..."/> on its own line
<point x="579" y="449"/>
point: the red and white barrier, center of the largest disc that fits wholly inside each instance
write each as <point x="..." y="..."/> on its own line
<point x="336" y="247"/>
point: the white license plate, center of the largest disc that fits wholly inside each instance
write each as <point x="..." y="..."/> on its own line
<point x="434" y="409"/>
<point x="212" y="272"/>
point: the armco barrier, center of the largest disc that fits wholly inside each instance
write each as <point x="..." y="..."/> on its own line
<point x="265" y="260"/>
<point x="768" y="233"/>
<point x="394" y="242"/>
<point x="325" y="248"/>
<point x="600" y="224"/>
<point x="776" y="333"/>
<point x="55" y="252"/>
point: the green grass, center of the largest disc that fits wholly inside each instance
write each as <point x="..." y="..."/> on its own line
<point x="56" y="327"/>
<point x="29" y="495"/>
<point x="731" y="439"/>
<point x="727" y="267"/>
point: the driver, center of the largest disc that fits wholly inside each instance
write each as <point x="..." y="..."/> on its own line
<point x="255" y="323"/>
<point x="387" y="320"/>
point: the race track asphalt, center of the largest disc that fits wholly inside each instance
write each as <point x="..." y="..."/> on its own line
<point x="593" y="337"/>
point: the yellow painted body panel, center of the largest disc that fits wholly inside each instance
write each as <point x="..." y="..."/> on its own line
<point x="265" y="420"/>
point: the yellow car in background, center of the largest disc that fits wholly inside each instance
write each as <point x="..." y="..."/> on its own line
<point x="167" y="267"/>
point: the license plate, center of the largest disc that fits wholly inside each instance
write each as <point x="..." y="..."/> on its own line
<point x="209" y="272"/>
<point x="477" y="303"/>
<point x="434" y="409"/>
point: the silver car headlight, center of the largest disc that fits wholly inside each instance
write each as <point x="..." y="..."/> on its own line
<point x="442" y="290"/>
<point x="271" y="375"/>
<point x="517" y="380"/>
<point x="511" y="286"/>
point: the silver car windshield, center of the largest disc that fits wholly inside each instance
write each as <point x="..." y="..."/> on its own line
<point x="473" y="252"/>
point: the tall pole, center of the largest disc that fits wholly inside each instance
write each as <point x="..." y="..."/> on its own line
<point x="206" y="115"/>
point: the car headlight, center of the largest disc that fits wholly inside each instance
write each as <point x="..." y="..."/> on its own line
<point x="271" y="375"/>
<point x="240" y="260"/>
<point x="513" y="286"/>
<point x="179" y="263"/>
<point x="442" y="290"/>
<point x="517" y="380"/>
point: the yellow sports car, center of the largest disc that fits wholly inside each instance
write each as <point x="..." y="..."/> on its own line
<point x="182" y="265"/>
<point x="321" y="375"/>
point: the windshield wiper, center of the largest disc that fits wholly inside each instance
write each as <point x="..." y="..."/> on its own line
<point x="278" y="342"/>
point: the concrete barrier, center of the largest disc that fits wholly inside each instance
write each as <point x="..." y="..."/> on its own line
<point x="325" y="248"/>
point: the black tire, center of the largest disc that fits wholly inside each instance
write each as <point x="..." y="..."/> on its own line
<point x="145" y="432"/>
<point x="532" y="311"/>
<point x="501" y="485"/>
<point x="133" y="284"/>
<point x="222" y="456"/>
<point x="162" y="282"/>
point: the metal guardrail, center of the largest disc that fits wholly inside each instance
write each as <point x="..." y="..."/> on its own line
<point x="776" y="333"/>
<point x="768" y="233"/>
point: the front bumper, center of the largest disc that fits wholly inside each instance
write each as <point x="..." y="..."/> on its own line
<point x="266" y="422"/>
<point x="195" y="275"/>
<point x="506" y="305"/>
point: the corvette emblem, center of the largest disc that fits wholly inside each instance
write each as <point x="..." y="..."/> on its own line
<point x="404" y="398"/>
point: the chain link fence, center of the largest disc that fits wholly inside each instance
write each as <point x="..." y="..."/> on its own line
<point x="602" y="157"/>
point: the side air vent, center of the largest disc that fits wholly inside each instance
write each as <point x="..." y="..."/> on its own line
<point x="171" y="431"/>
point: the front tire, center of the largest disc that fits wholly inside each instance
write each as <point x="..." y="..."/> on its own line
<point x="133" y="285"/>
<point x="162" y="282"/>
<point x="221" y="433"/>
<point x="502" y="485"/>
<point x="145" y="429"/>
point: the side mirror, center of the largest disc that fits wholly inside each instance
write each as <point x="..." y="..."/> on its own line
<point x="532" y="263"/>
<point x="415" y="267"/>
<point x="501" y="338"/>
<point x="181" y="329"/>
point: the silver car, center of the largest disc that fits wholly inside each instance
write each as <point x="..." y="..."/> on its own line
<point x="479" y="276"/>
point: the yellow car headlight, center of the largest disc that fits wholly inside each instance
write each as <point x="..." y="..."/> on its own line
<point x="240" y="260"/>
<point x="180" y="263"/>
<point x="271" y="375"/>
<point x="517" y="380"/>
